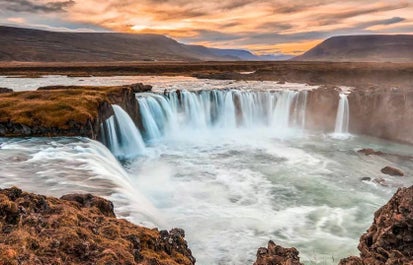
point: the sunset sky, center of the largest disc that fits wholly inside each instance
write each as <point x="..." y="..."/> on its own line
<point x="262" y="26"/>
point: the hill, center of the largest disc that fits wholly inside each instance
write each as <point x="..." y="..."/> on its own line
<point x="363" y="48"/>
<point x="30" y="45"/>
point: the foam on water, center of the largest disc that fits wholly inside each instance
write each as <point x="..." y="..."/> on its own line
<point x="231" y="191"/>
<point x="73" y="165"/>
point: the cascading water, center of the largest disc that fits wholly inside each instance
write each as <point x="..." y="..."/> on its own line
<point x="121" y="136"/>
<point x="221" y="109"/>
<point x="225" y="179"/>
<point x="343" y="116"/>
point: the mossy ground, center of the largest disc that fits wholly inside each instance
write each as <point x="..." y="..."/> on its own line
<point x="58" y="107"/>
<point x="35" y="229"/>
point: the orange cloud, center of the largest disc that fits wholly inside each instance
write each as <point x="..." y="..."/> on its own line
<point x="263" y="26"/>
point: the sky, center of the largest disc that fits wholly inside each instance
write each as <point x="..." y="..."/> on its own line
<point x="262" y="26"/>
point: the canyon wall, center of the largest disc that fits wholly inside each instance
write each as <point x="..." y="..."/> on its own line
<point x="383" y="113"/>
<point x="79" y="111"/>
<point x="378" y="112"/>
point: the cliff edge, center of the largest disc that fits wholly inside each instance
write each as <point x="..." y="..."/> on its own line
<point x="80" y="229"/>
<point x="65" y="111"/>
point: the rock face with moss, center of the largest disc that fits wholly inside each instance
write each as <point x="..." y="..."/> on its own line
<point x="65" y="111"/>
<point x="80" y="229"/>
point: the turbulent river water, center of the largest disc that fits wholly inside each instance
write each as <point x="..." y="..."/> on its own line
<point x="232" y="181"/>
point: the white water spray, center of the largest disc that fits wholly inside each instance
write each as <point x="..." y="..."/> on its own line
<point x="121" y="136"/>
<point x="221" y="109"/>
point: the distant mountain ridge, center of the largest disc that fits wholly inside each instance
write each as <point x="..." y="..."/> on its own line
<point x="362" y="48"/>
<point x="31" y="45"/>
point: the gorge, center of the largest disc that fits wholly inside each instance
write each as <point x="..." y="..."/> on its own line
<point x="233" y="163"/>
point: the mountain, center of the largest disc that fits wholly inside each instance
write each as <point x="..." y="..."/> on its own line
<point x="363" y="48"/>
<point x="246" y="55"/>
<point x="30" y="45"/>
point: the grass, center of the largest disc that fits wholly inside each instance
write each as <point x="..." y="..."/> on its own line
<point x="55" y="107"/>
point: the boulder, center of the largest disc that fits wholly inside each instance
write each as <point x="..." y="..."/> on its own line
<point x="369" y="151"/>
<point x="278" y="255"/>
<point x="392" y="171"/>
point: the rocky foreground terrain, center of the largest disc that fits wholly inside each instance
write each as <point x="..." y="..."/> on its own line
<point x="80" y="229"/>
<point x="83" y="229"/>
<point x="388" y="241"/>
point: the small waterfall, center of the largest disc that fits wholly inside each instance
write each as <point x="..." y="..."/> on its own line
<point x="343" y="115"/>
<point x="121" y="136"/>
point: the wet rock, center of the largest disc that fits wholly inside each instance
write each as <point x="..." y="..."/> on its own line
<point x="392" y="171"/>
<point x="389" y="240"/>
<point x="173" y="241"/>
<point x="366" y="179"/>
<point x="380" y="181"/>
<point x="275" y="254"/>
<point x="369" y="151"/>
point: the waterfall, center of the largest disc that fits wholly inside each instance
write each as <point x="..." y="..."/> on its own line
<point x="221" y="109"/>
<point x="343" y="115"/>
<point x="121" y="136"/>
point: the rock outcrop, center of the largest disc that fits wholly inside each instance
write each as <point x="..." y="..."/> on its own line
<point x="65" y="111"/>
<point x="369" y="151"/>
<point x="5" y="90"/>
<point x="389" y="240"/>
<point x="277" y="255"/>
<point x="80" y="229"/>
<point x="392" y="171"/>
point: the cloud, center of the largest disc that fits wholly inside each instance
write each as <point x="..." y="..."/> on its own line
<point x="31" y="7"/>
<point x="259" y="25"/>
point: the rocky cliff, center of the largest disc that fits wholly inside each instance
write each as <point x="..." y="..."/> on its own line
<point x="383" y="113"/>
<point x="80" y="229"/>
<point x="389" y="240"/>
<point x="379" y="112"/>
<point x="65" y="111"/>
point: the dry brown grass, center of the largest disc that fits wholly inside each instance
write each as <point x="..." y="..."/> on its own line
<point x="54" y="108"/>
<point x="56" y="231"/>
